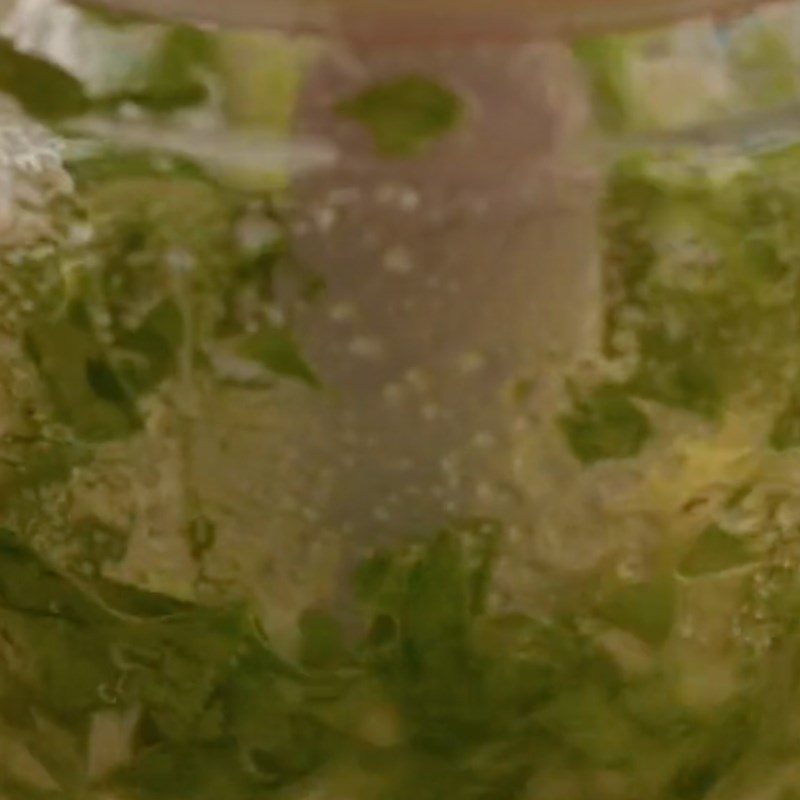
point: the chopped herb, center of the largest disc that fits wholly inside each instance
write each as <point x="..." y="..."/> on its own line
<point x="152" y="349"/>
<point x="646" y="610"/>
<point x="323" y="644"/>
<point x="275" y="349"/>
<point x="678" y="372"/>
<point x="714" y="551"/>
<point x="406" y="115"/>
<point x="605" y="63"/>
<point x="605" y="425"/>
<point x="85" y="389"/>
<point x="486" y="704"/>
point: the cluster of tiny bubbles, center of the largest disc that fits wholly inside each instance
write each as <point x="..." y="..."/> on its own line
<point x="255" y="230"/>
<point x="48" y="524"/>
<point x="22" y="383"/>
<point x="760" y="622"/>
<point x="32" y="278"/>
<point x="624" y="343"/>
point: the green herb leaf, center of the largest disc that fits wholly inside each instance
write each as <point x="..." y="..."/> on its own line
<point x="275" y="349"/>
<point x="153" y="347"/>
<point x="406" y="115"/>
<point x="177" y="77"/>
<point x="30" y="586"/>
<point x="605" y="425"/>
<point x="606" y="66"/>
<point x="93" y="643"/>
<point x="189" y="772"/>
<point x="323" y="644"/>
<point x="764" y="261"/>
<point x="424" y="600"/>
<point x="646" y="610"/>
<point x="489" y="706"/>
<point x="84" y="387"/>
<point x="678" y="372"/>
<point x="108" y="164"/>
<point x="55" y="626"/>
<point x="590" y="720"/>
<point x="693" y="305"/>
<point x="714" y="752"/>
<point x="714" y="551"/>
<point x="174" y="667"/>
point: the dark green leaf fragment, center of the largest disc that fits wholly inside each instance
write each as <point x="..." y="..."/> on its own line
<point x="764" y="262"/>
<point x="276" y="350"/>
<point x="175" y="665"/>
<point x="488" y="704"/>
<point x="592" y="721"/>
<point x="424" y="601"/>
<point x="14" y="789"/>
<point x="714" y="551"/>
<point x="107" y="17"/>
<point x="785" y="433"/>
<point x="681" y="372"/>
<point x="152" y="349"/>
<point x="92" y="643"/>
<point x="174" y="81"/>
<point x="108" y="163"/>
<point x="323" y="643"/>
<point x="135" y="603"/>
<point x="28" y="585"/>
<point x="44" y="90"/>
<point x="281" y="740"/>
<point x="646" y="610"/>
<point x="176" y="78"/>
<point x="86" y="391"/>
<point x="405" y="115"/>
<point x="104" y="382"/>
<point x="713" y="754"/>
<point x="189" y="772"/>
<point x="605" y="425"/>
<point x="58" y="629"/>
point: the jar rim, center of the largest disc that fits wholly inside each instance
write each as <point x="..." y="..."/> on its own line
<point x="384" y="21"/>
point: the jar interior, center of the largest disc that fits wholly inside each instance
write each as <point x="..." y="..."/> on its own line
<point x="399" y="420"/>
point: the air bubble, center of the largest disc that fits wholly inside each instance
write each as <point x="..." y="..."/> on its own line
<point x="470" y="363"/>
<point x="393" y="393"/>
<point x="484" y="440"/>
<point x="180" y="260"/>
<point x="276" y="315"/>
<point x="397" y="260"/>
<point x="431" y="412"/>
<point x="367" y="347"/>
<point x="342" y="312"/>
<point x="255" y="232"/>
<point x="324" y="218"/>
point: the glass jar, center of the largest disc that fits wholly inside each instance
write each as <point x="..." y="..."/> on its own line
<point x="399" y="401"/>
